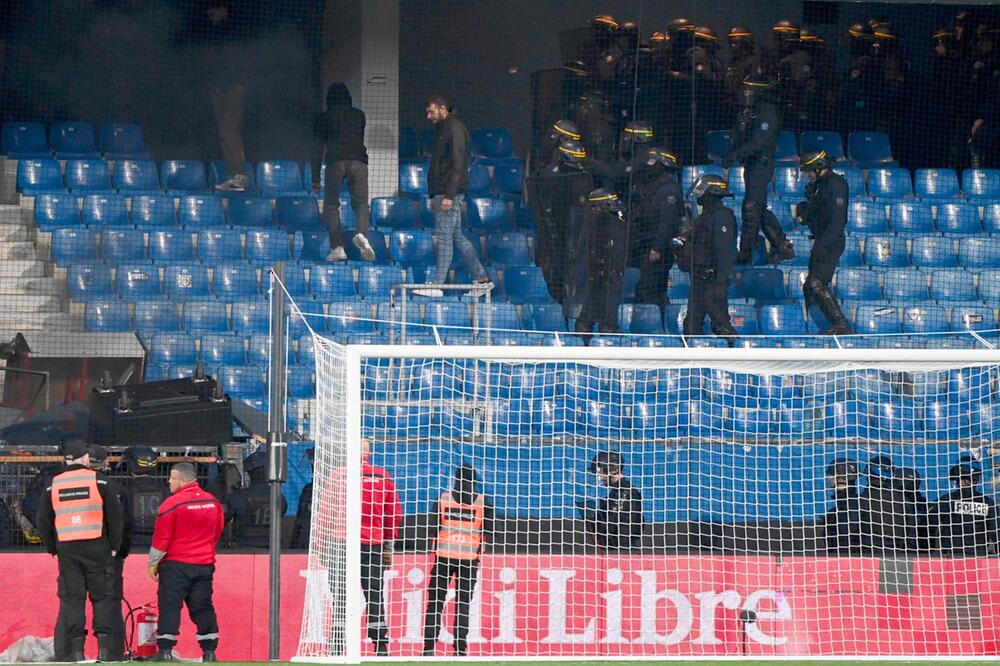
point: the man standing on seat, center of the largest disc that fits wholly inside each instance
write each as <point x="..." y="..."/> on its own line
<point x="446" y="182"/>
<point x="339" y="137"/>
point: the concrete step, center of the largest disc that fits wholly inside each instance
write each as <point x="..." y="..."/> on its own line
<point x="22" y="321"/>
<point x="14" y="232"/>
<point x="22" y="268"/>
<point x="17" y="250"/>
<point x="34" y="286"/>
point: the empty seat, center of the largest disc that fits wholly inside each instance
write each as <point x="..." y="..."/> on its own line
<point x="737" y="183"/>
<point x="640" y="318"/>
<point x="508" y="180"/>
<point x="85" y="281"/>
<point x="267" y="246"/>
<point x="719" y="144"/>
<point x="201" y="211"/>
<point x="311" y="245"/>
<point x="394" y="212"/>
<point x="870" y="319"/>
<point x="867" y="217"/>
<point x="910" y="217"/>
<point x="545" y="317"/>
<point x="447" y="313"/>
<point x="56" y="210"/>
<point x="136" y="282"/>
<point x="858" y="284"/>
<point x="183" y="176"/>
<point x="233" y="281"/>
<point x="782" y="319"/>
<point x="72" y="140"/>
<point x="959" y="218"/>
<point x="412" y="248"/>
<point x="525" y="284"/>
<point x="491" y="143"/>
<point x="989" y="285"/>
<point x="251" y="316"/>
<point x="924" y="319"/>
<point x="851" y="258"/>
<point x="154" y="211"/>
<point x="689" y="174"/>
<point x="295" y="213"/>
<point x="207" y="316"/>
<point x="487" y="213"/>
<point x="133" y="177"/>
<point x="933" y="252"/>
<point x="886" y="251"/>
<point x="497" y="316"/>
<point x="332" y="281"/>
<point x="935" y="183"/>
<point x="300" y="382"/>
<point x="374" y="282"/>
<point x="952" y="285"/>
<point x="156" y="316"/>
<point x="173" y="349"/>
<point x="222" y="349"/>
<point x="24" y="141"/>
<point x="790" y="183"/>
<point x="107" y="315"/>
<point x="171" y="245"/>
<point x="349" y="316"/>
<point x="250" y="212"/>
<point x="973" y="318"/>
<point x="991" y="218"/>
<point x="122" y="141"/>
<point x="244" y="382"/>
<point x="279" y="178"/>
<point x="855" y="178"/>
<point x="831" y="142"/>
<point x="786" y="152"/>
<point x="905" y="284"/>
<point x="743" y="317"/>
<point x="219" y="245"/>
<point x="122" y="245"/>
<point x="890" y="183"/>
<point x="981" y="184"/>
<point x="185" y="282"/>
<point x="38" y="176"/>
<point x="413" y="178"/>
<point x="869" y="150"/>
<point x="508" y="249"/>
<point x="86" y="176"/>
<point x="74" y="244"/>
<point x="259" y="349"/>
<point x="761" y="284"/>
<point x="979" y="252"/>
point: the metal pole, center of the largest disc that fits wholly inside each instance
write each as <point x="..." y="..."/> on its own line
<point x="277" y="453"/>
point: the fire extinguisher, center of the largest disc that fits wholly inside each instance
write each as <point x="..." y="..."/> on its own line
<point x="145" y="631"/>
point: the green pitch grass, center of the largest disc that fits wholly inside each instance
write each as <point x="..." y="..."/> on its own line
<point x="804" y="662"/>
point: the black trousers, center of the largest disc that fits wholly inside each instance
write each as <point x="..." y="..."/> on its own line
<point x="356" y="173"/>
<point x="85" y="569"/>
<point x="372" y="577"/>
<point x="229" y="102"/>
<point x="189" y="584"/>
<point x="712" y="299"/>
<point x="756" y="178"/>
<point x="652" y="285"/>
<point x="465" y="573"/>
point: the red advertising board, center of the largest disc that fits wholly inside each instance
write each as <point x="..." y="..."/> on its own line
<point x="597" y="605"/>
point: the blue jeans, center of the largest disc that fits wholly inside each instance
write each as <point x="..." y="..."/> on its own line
<point x="449" y="237"/>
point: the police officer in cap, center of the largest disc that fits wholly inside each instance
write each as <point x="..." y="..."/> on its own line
<point x="754" y="140"/>
<point x="593" y="118"/>
<point x="706" y="251"/>
<point x="840" y="527"/>
<point x="144" y="491"/>
<point x="745" y="62"/>
<point x="249" y="508"/>
<point x="657" y="213"/>
<point x="825" y="213"/>
<point x="890" y="520"/>
<point x="561" y="130"/>
<point x="80" y="522"/>
<point x="100" y="462"/>
<point x="616" y="523"/>
<point x="963" y="523"/>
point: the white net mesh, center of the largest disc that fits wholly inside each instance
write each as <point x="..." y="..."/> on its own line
<point x="647" y="508"/>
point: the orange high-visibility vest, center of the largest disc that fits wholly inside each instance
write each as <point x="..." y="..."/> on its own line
<point x="78" y="505"/>
<point x="461" y="528"/>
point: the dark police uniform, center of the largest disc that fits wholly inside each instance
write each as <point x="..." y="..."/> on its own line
<point x="657" y="219"/>
<point x="249" y="513"/>
<point x="840" y="527"/>
<point x="890" y="518"/>
<point x="708" y="256"/>
<point x="963" y="523"/>
<point x="617" y="521"/>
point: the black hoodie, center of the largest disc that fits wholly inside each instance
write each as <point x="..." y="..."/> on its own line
<point x="339" y="132"/>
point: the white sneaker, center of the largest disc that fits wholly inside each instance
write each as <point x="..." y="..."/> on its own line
<point x="235" y="184"/>
<point x="337" y="254"/>
<point x="361" y="242"/>
<point x="429" y="293"/>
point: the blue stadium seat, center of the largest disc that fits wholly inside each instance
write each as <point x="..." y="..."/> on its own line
<point x="267" y="246"/>
<point x="349" y="316"/>
<point x="981" y="184"/>
<point x="300" y="382"/>
<point x="250" y="212"/>
<point x="294" y="213"/>
<point x="719" y="144"/>
<point x="374" y="281"/>
<point x="122" y="245"/>
<point x="855" y="178"/>
<point x="933" y="252"/>
<point x="497" y="316"/>
<point x="886" y="251"/>
<point x="851" y="258"/>
<point x="910" y="217"/>
<point x="244" y="382"/>
<point x="107" y="315"/>
<point x="185" y="282"/>
<point x="169" y="245"/>
<point x="545" y="317"/>
<point x="689" y="174"/>
<point x="973" y="318"/>
<point x="379" y="245"/>
<point x="678" y="285"/>
<point x="508" y="249"/>
<point x="24" y="141"/>
<point x="72" y="140"/>
<point x="154" y="211"/>
<point x="183" y="176"/>
<point x="332" y="281"/>
<point x="198" y="211"/>
<point x="889" y="183"/>
<point x="412" y="248"/>
<point x="155" y="373"/>
<point x="952" y="285"/>
<point x="134" y="177"/>
<point x="438" y="313"/>
<point x="236" y="281"/>
<point x="207" y="316"/>
<point x="867" y="217"/>
<point x="979" y="252"/>
<point x="156" y="316"/>
<point x="870" y="319"/>
<point x="737" y="184"/>
<point x="870" y="150"/>
<point x="280" y="178"/>
<point x="803" y="249"/>
<point x="787" y="153"/>
<point x="743" y="318"/>
<point x="38" y="176"/>
<point x="935" y="183"/>
<point x="905" y="284"/>
<point x="122" y="141"/>
<point x="173" y="349"/>
<point x="85" y="281"/>
<point x="87" y="176"/>
<point x="630" y="280"/>
<point x="894" y="422"/>
<point x="789" y="183"/>
<point x="858" y="284"/>
<point x="222" y="349"/>
<point x="782" y="319"/>
<point x="991" y="218"/>
<point x="525" y="284"/>
<point x="641" y="318"/>
<point x="413" y="178"/>
<point x="761" y="284"/>
<point x="259" y="349"/>
<point x="56" y="210"/>
<point x="137" y="282"/>
<point x="492" y="143"/>
<point x="311" y="245"/>
<point x="508" y="180"/>
<point x="831" y="142"/>
<point x="394" y="213"/>
<point x="74" y="245"/>
<point x="959" y="217"/>
<point x="795" y="279"/>
<point x="924" y="319"/>
<point x="219" y="245"/>
<point x="488" y="214"/>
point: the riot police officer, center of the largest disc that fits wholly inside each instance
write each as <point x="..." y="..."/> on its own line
<point x="840" y="527"/>
<point x="755" y="138"/>
<point x="144" y="493"/>
<point x="825" y="213"/>
<point x="796" y="77"/>
<point x="99" y="462"/>
<point x="560" y="131"/>
<point x="706" y="252"/>
<point x="963" y="523"/>
<point x="657" y="212"/>
<point x="745" y="62"/>
<point x="593" y="118"/>
<point x="249" y="508"/>
<point x="824" y="71"/>
<point x="890" y="519"/>
<point x="616" y="523"/>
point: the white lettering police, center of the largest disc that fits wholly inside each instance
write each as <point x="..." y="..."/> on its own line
<point x="966" y="508"/>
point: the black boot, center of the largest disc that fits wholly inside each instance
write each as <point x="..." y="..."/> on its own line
<point x="782" y="251"/>
<point x="382" y="648"/>
<point x="828" y="305"/>
<point x="164" y="654"/>
<point x="208" y="656"/>
<point x="75" y="652"/>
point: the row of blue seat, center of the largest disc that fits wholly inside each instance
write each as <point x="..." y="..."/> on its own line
<point x="221" y="349"/>
<point x="27" y="140"/>
<point x="507" y="179"/>
<point x="493" y="145"/>
<point x="865" y="150"/>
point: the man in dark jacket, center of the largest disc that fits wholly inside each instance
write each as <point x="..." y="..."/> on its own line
<point x="249" y="508"/>
<point x="840" y="527"/>
<point x="617" y="521"/>
<point x="890" y="519"/>
<point x="446" y="182"/>
<point x="339" y="136"/>
<point x="657" y="212"/>
<point x="963" y="523"/>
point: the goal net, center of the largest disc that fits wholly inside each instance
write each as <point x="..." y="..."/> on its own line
<point x="657" y="502"/>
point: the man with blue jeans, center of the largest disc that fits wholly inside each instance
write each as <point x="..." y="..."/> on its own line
<point x="447" y="179"/>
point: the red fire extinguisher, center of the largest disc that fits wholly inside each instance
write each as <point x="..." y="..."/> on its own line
<point x="145" y="631"/>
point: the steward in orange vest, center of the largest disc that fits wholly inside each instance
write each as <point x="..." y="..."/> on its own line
<point x="80" y="522"/>
<point x="462" y="516"/>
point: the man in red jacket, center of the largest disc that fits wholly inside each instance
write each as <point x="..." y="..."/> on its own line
<point x="182" y="561"/>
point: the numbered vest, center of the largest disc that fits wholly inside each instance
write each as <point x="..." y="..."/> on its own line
<point x="461" y="531"/>
<point x="78" y="505"/>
